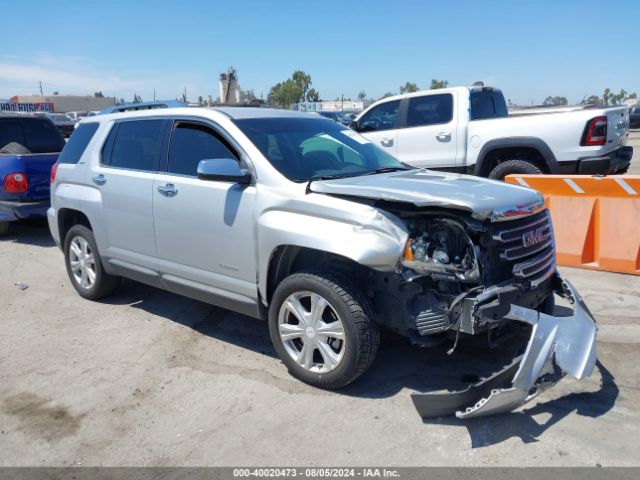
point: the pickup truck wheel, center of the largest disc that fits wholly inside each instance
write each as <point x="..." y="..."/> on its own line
<point x="323" y="329"/>
<point x="4" y="228"/>
<point x="514" y="166"/>
<point x="84" y="265"/>
<point x="15" y="148"/>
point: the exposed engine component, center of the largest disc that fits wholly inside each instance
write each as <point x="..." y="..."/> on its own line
<point x="441" y="248"/>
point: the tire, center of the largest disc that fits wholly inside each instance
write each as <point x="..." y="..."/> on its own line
<point x="102" y="284"/>
<point x="514" y="166"/>
<point x="334" y="362"/>
<point x="15" y="148"/>
<point x="4" y="228"/>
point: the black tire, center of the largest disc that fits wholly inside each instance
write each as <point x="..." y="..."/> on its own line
<point x="361" y="333"/>
<point x="104" y="284"/>
<point x="4" y="228"/>
<point x="514" y="166"/>
<point x="15" y="148"/>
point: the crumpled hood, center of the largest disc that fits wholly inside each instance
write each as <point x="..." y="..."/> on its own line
<point x="483" y="198"/>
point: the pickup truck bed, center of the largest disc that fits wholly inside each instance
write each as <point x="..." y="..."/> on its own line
<point x="29" y="147"/>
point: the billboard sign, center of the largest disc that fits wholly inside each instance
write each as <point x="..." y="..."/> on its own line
<point x="26" y="107"/>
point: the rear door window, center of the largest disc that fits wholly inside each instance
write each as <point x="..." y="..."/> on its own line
<point x="430" y="110"/>
<point x="192" y="142"/>
<point x="77" y="143"/>
<point x="487" y="104"/>
<point x="381" y="117"/>
<point x="136" y="144"/>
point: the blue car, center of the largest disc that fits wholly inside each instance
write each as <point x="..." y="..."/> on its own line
<point x="29" y="148"/>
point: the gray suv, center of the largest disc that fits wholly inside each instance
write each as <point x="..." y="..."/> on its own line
<point x="293" y="218"/>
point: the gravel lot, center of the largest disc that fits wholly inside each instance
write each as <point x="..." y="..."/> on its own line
<point x="151" y="378"/>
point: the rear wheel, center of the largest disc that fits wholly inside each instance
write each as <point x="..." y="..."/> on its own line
<point x="84" y="265"/>
<point x="323" y="329"/>
<point x="4" y="228"/>
<point x="514" y="167"/>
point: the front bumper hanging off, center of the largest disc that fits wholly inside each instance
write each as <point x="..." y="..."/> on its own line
<point x="558" y="346"/>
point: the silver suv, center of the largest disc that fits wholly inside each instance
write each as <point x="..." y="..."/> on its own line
<point x="293" y="218"/>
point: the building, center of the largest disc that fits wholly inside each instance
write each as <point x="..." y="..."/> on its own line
<point x="330" y="106"/>
<point x="229" y="87"/>
<point x="66" y="103"/>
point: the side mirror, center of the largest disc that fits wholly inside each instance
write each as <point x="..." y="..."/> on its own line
<point x="223" y="170"/>
<point x="353" y="125"/>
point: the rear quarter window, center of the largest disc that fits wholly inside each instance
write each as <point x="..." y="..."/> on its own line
<point x="78" y="142"/>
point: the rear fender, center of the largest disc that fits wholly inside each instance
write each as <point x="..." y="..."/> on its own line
<point x="514" y="142"/>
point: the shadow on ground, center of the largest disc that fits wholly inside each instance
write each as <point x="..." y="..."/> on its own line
<point x="30" y="232"/>
<point x="398" y="366"/>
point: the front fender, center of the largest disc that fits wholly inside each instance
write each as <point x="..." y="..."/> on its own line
<point x="367" y="236"/>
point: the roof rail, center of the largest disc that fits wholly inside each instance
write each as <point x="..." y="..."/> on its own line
<point x="128" y="107"/>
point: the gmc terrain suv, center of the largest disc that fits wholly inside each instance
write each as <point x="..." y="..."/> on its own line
<point x="293" y="218"/>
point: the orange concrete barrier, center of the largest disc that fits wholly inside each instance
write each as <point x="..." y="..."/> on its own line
<point x="596" y="220"/>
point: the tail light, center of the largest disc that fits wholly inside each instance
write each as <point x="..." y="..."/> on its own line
<point x="596" y="132"/>
<point x="54" y="170"/>
<point x="16" y="183"/>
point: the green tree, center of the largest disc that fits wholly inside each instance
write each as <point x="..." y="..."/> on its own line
<point x="436" y="84"/>
<point x="591" y="100"/>
<point x="553" y="101"/>
<point x="408" y="87"/>
<point x="98" y="95"/>
<point x="295" y="89"/>
<point x="302" y="80"/>
<point x="136" y="98"/>
<point x="285" y="94"/>
<point x="200" y="100"/>
<point x="313" y="95"/>
<point x="362" y="95"/>
<point x="388" y="94"/>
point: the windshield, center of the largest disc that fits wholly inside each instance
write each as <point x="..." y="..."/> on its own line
<point x="305" y="149"/>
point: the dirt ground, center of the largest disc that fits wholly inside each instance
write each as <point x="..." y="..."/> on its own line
<point x="151" y="378"/>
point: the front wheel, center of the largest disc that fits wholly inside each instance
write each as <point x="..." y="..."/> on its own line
<point x="323" y="329"/>
<point x="4" y="228"/>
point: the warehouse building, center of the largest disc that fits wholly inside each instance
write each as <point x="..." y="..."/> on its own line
<point x="67" y="103"/>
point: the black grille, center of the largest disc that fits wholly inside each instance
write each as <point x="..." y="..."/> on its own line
<point x="431" y="321"/>
<point x="527" y="246"/>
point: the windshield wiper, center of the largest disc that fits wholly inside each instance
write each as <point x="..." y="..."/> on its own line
<point x="385" y="170"/>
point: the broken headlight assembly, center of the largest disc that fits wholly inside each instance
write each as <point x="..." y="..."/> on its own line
<point x="443" y="250"/>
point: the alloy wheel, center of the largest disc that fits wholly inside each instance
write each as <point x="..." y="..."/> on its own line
<point x="311" y="331"/>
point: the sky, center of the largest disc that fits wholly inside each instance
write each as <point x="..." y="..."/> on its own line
<point x="529" y="49"/>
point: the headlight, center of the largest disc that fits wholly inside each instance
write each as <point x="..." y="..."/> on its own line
<point x="442" y="247"/>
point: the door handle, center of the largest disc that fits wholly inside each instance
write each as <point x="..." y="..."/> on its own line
<point x="443" y="136"/>
<point x="99" y="179"/>
<point x="387" y="142"/>
<point x="168" y="190"/>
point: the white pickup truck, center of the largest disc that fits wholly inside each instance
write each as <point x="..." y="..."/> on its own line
<point x="469" y="130"/>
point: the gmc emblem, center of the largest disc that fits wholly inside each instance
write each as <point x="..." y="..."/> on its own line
<point x="533" y="237"/>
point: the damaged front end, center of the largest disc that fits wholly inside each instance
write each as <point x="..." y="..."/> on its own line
<point x="558" y="346"/>
<point x="461" y="276"/>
